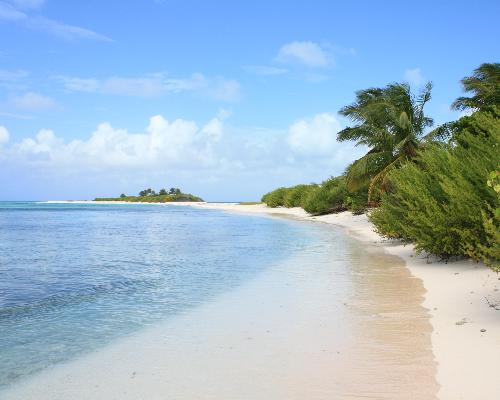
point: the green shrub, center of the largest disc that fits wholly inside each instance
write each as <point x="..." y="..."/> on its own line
<point x="326" y="198"/>
<point x="297" y="195"/>
<point x="442" y="203"/>
<point x="276" y="198"/>
<point x="356" y="201"/>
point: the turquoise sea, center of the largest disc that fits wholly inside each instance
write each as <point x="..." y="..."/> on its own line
<point x="74" y="277"/>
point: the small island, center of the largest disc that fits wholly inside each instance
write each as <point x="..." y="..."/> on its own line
<point x="150" y="196"/>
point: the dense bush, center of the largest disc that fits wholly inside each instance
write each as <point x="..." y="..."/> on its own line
<point x="356" y="200"/>
<point x="442" y="201"/>
<point x="328" y="197"/>
<point x="297" y="195"/>
<point x="276" y="198"/>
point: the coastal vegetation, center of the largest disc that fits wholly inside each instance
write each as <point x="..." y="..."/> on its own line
<point x="391" y="122"/>
<point x="439" y="188"/>
<point x="150" y="196"/>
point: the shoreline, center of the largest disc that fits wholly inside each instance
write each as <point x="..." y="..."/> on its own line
<point x="458" y="297"/>
<point x="332" y="319"/>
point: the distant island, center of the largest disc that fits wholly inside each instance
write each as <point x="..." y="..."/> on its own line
<point x="150" y="196"/>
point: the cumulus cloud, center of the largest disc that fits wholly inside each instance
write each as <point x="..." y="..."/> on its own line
<point x="178" y="143"/>
<point x="217" y="160"/>
<point x="213" y="129"/>
<point x="315" y="136"/>
<point x="32" y="102"/>
<point x="307" y="53"/>
<point x="414" y="76"/>
<point x="184" y="143"/>
<point x="152" y="85"/>
<point x="17" y="12"/>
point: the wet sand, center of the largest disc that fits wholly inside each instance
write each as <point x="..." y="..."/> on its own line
<point x="462" y="296"/>
<point x="339" y="320"/>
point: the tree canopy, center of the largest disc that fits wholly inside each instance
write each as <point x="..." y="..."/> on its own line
<point x="391" y="122"/>
<point x="484" y="85"/>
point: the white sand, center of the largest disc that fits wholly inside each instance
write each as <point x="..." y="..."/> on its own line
<point x="456" y="292"/>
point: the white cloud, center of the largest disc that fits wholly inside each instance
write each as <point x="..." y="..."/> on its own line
<point x="414" y="76"/>
<point x="152" y="85"/>
<point x="32" y="102"/>
<point x="215" y="160"/>
<point x="215" y="127"/>
<point x="184" y="144"/>
<point x="307" y="53"/>
<point x="264" y="70"/>
<point x="178" y="143"/>
<point x="4" y="135"/>
<point x="13" y="13"/>
<point x="315" y="136"/>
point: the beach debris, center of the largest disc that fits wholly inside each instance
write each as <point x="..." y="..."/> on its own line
<point x="483" y="330"/>
<point x="495" y="305"/>
<point x="463" y="321"/>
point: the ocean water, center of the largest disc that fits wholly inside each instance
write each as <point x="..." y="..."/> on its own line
<point x="75" y="277"/>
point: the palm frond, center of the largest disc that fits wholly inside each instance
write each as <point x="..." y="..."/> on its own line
<point x="484" y="84"/>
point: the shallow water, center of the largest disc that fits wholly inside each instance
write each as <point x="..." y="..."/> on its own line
<point x="200" y="304"/>
<point x="74" y="277"/>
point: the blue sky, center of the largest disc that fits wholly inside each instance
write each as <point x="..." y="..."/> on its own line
<point x="224" y="99"/>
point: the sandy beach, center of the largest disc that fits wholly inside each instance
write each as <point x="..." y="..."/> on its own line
<point x="336" y="319"/>
<point x="460" y="296"/>
<point x="445" y="342"/>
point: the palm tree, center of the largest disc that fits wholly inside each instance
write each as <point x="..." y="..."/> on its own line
<point x="484" y="84"/>
<point x="391" y="122"/>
